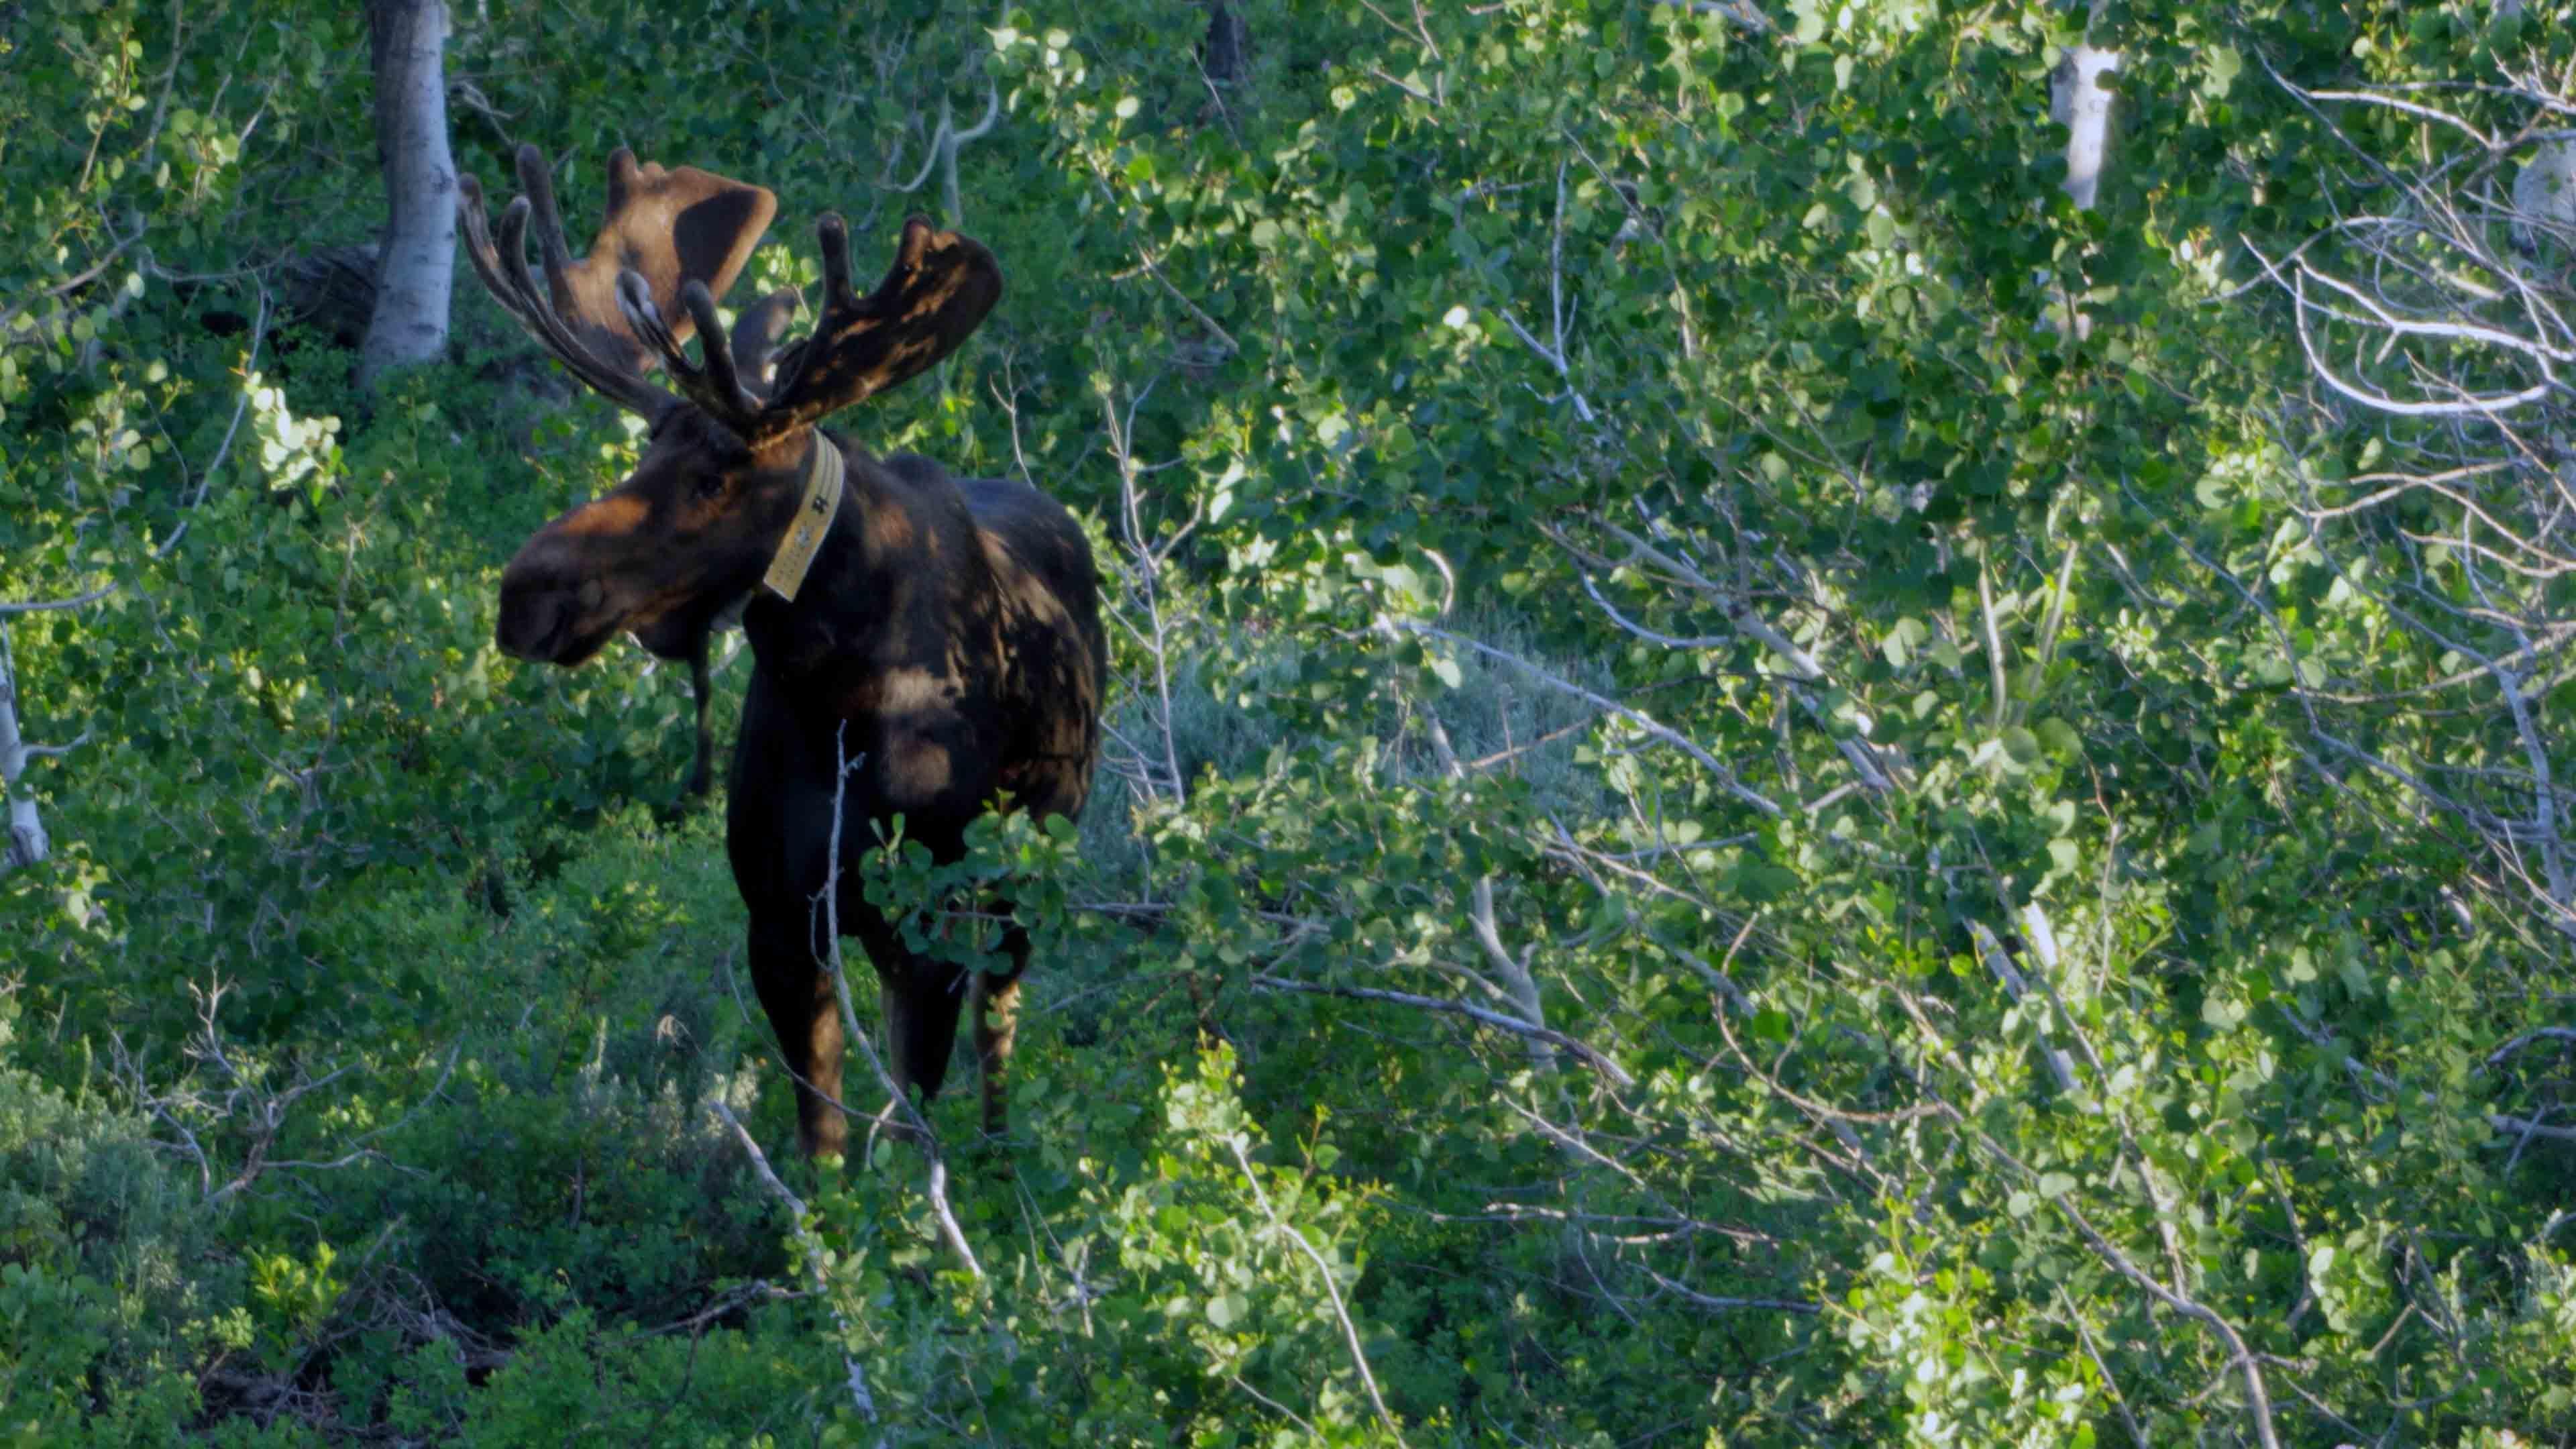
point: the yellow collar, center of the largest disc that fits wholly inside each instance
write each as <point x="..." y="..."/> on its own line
<point x="814" y="514"/>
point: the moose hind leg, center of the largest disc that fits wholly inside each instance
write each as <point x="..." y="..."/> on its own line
<point x="997" y="1022"/>
<point x="797" y="993"/>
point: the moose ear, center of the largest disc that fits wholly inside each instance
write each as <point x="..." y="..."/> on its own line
<point x="755" y="338"/>
<point x="940" y="287"/>
<point x="671" y="227"/>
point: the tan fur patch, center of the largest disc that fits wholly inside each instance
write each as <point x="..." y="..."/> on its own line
<point x="1022" y="591"/>
<point x="613" y="516"/>
<point x="897" y="693"/>
<point x="785" y="450"/>
<point x="919" y="769"/>
<point x="889" y="530"/>
<point x="912" y="688"/>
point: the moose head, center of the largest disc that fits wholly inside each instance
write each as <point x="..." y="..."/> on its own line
<point x="732" y="453"/>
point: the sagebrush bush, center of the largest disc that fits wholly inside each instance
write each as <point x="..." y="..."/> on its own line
<point x="113" y="1283"/>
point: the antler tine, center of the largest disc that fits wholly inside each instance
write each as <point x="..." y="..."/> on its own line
<point x="537" y="184"/>
<point x="514" y="265"/>
<point x="755" y="338"/>
<point x="842" y="305"/>
<point x="504" y="270"/>
<point x="478" y="237"/>
<point x="673" y="226"/>
<point x="833" y="236"/>
<point x="715" y="387"/>
<point x="546" y="319"/>
<point x="479" y="248"/>
<point x="635" y="299"/>
<point x="938" y="289"/>
<point x="714" y="345"/>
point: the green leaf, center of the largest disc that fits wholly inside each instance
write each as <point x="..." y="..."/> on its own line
<point x="2060" y="738"/>
<point x="1902" y="639"/>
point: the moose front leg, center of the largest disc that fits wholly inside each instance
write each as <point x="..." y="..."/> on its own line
<point x="701" y="685"/>
<point x="920" y="997"/>
<point x="796" y="991"/>
<point x="997" y="1021"/>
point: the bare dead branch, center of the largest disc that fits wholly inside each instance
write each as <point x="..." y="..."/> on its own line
<point x="860" y="1398"/>
<point x="921" y="1131"/>
<point x="1494" y="1019"/>
<point x="1726" y="778"/>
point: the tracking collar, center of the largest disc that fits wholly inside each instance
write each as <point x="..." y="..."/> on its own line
<point x="814" y="514"/>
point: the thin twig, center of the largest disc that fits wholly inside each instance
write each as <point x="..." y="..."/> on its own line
<point x="1495" y="1019"/>
<point x="860" y="1398"/>
<point x="937" y="1187"/>
<point x="1332" y="1290"/>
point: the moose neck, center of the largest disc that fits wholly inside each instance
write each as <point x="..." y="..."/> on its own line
<point x="875" y="595"/>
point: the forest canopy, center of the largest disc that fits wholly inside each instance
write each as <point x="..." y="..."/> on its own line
<point x="1804" y="749"/>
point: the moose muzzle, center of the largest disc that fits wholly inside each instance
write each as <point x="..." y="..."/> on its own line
<point x="548" y="615"/>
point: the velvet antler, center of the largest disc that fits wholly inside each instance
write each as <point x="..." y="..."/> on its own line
<point x="675" y="232"/>
<point x="671" y="244"/>
<point x="940" y="286"/>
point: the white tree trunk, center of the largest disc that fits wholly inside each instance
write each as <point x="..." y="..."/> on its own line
<point x="418" y="263"/>
<point x="2079" y="101"/>
<point x="26" y="843"/>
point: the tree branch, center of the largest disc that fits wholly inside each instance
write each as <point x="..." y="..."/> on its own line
<point x="1495" y="1019"/>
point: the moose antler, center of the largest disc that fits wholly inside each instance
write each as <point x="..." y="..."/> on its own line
<point x="671" y="244"/>
<point x="714" y="385"/>
<point x="940" y="286"/>
<point x="673" y="232"/>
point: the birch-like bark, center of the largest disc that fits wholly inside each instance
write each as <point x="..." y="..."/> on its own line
<point x="418" y="263"/>
<point x="27" y="843"/>
<point x="2078" y="100"/>
<point x="2082" y="103"/>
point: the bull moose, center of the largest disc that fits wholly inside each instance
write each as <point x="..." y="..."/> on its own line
<point x="931" y="644"/>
